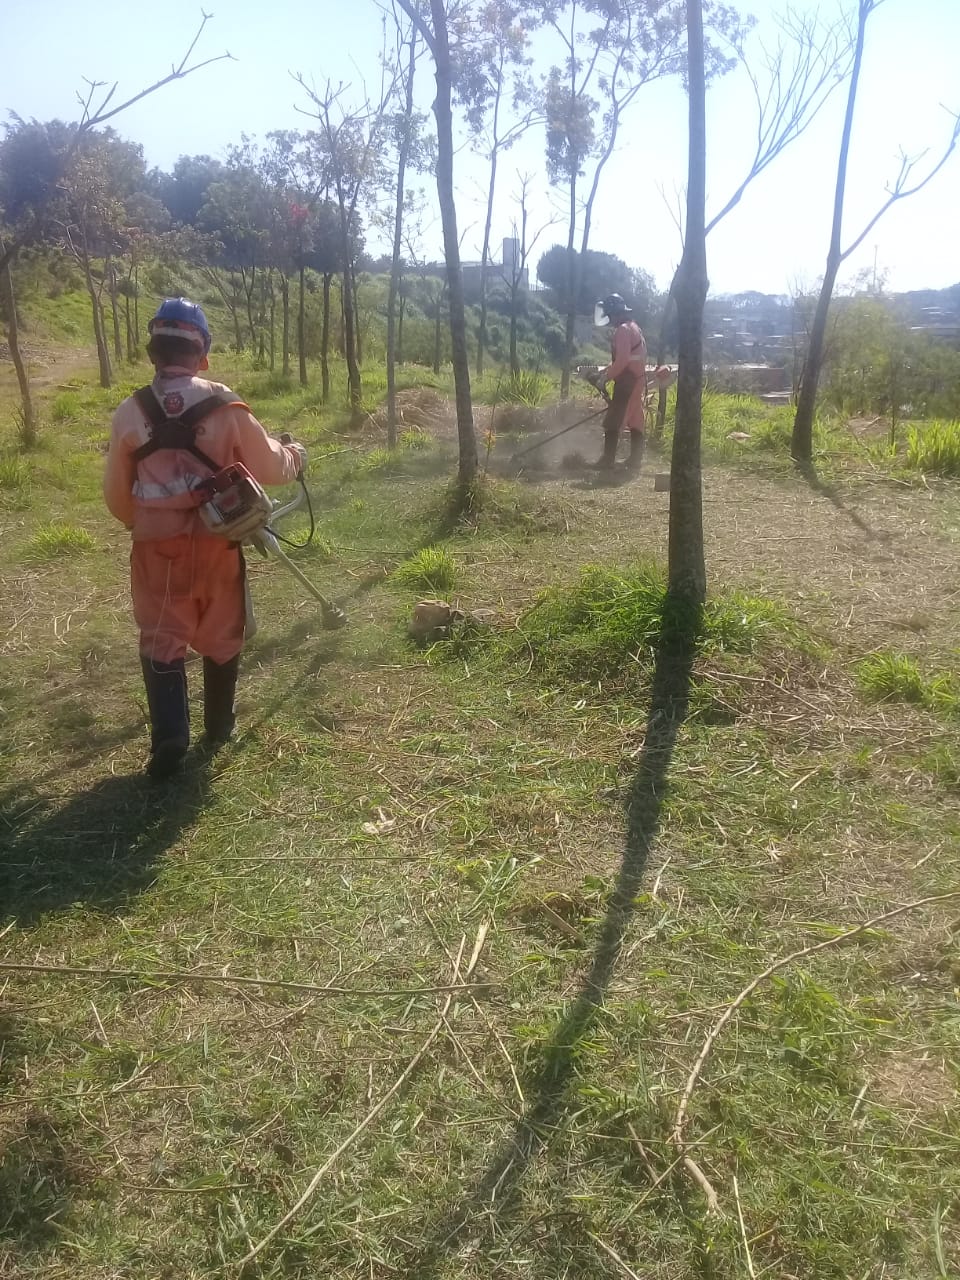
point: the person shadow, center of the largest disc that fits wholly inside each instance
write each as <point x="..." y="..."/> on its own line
<point x="494" y="1191"/>
<point x="99" y="847"/>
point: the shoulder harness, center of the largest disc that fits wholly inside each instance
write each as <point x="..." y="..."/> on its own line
<point x="179" y="432"/>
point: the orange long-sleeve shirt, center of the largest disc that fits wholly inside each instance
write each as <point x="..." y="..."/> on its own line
<point x="156" y="498"/>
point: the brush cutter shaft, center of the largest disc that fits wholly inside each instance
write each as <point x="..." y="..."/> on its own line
<point x="557" y="434"/>
<point x="267" y="543"/>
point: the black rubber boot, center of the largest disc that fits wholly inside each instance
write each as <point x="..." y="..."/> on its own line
<point x="635" y="460"/>
<point x="219" y="689"/>
<point x="608" y="458"/>
<point x="166" y="685"/>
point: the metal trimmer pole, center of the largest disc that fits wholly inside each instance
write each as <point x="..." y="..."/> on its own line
<point x="333" y="615"/>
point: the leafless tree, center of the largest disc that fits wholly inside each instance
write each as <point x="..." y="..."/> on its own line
<point x="905" y="185"/>
<point x="436" y="34"/>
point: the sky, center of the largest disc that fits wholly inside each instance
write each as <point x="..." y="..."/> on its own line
<point x="775" y="241"/>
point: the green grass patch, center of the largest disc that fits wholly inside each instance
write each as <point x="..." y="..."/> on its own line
<point x="14" y="472"/>
<point x="59" y="541"/>
<point x="934" y="448"/>
<point x="430" y="569"/>
<point x="887" y="676"/>
<point x="610" y="622"/>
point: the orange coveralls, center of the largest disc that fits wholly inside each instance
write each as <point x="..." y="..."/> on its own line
<point x="188" y="584"/>
<point x="628" y="371"/>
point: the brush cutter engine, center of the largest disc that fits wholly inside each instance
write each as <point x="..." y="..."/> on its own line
<point x="235" y="505"/>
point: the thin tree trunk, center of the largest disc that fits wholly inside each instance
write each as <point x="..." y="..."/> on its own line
<point x="8" y="304"/>
<point x="136" y="309"/>
<point x="285" y="323"/>
<point x="687" y="568"/>
<point x="573" y="288"/>
<point x="467" y="469"/>
<point x="401" y="308"/>
<point x="514" y="359"/>
<point x="404" y="151"/>
<point x="301" y="326"/>
<point x="325" y="341"/>
<point x="354" y="387"/>
<point x="801" y="445"/>
<point x="485" y="255"/>
<point x="436" y="333"/>
<point x="273" y="324"/>
<point x="662" y="354"/>
<point x="356" y="314"/>
<point x="103" y="355"/>
<point x="129" y="328"/>
<point x="110" y="274"/>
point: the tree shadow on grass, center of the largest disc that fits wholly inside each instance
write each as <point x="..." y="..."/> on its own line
<point x="808" y="471"/>
<point x="494" y="1191"/>
<point x="99" y="847"/>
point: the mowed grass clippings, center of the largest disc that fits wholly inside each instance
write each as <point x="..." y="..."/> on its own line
<point x="381" y="809"/>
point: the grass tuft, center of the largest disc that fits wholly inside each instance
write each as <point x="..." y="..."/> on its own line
<point x="934" y="448"/>
<point x="13" y="473"/>
<point x="55" y="541"/>
<point x="430" y="569"/>
<point x="886" y="676"/>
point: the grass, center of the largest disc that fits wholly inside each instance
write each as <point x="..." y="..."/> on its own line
<point x="635" y="868"/>
<point x="58" y="541"/>
<point x="894" y="677"/>
<point x="430" y="569"/>
<point x="609" y="623"/>
<point x="934" y="448"/>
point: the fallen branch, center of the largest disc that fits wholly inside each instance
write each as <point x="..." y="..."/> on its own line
<point x="374" y="1111"/>
<point x="230" y="980"/>
<point x="676" y="1136"/>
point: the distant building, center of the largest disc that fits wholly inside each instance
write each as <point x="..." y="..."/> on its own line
<point x="504" y="272"/>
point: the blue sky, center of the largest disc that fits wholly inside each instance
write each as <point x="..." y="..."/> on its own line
<point x="775" y="241"/>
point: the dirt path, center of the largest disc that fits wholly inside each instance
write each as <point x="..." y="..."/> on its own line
<point x="48" y="365"/>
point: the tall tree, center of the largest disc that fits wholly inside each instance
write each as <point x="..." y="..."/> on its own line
<point x="791" y="84"/>
<point x="687" y="566"/>
<point x="8" y="309"/>
<point x="801" y="445"/>
<point x="436" y="33"/>
<point x="517" y="271"/>
<point x="495" y="86"/>
<point x="406" y="133"/>
<point x="611" y="50"/>
<point x="348" y="144"/>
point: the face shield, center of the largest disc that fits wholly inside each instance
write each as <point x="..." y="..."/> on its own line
<point x="600" y="317"/>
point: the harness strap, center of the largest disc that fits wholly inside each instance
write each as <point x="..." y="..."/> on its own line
<point x="179" y="432"/>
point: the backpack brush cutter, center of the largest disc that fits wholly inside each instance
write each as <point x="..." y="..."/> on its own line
<point x="237" y="507"/>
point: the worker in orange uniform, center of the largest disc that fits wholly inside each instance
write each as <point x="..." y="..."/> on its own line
<point x="188" y="583"/>
<point x="628" y="372"/>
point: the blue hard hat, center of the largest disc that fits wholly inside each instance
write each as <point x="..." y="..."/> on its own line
<point x="181" y="318"/>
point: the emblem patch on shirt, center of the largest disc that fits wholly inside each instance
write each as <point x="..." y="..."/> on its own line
<point x="173" y="404"/>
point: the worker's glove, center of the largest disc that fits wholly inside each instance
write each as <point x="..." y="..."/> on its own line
<point x="296" y="447"/>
